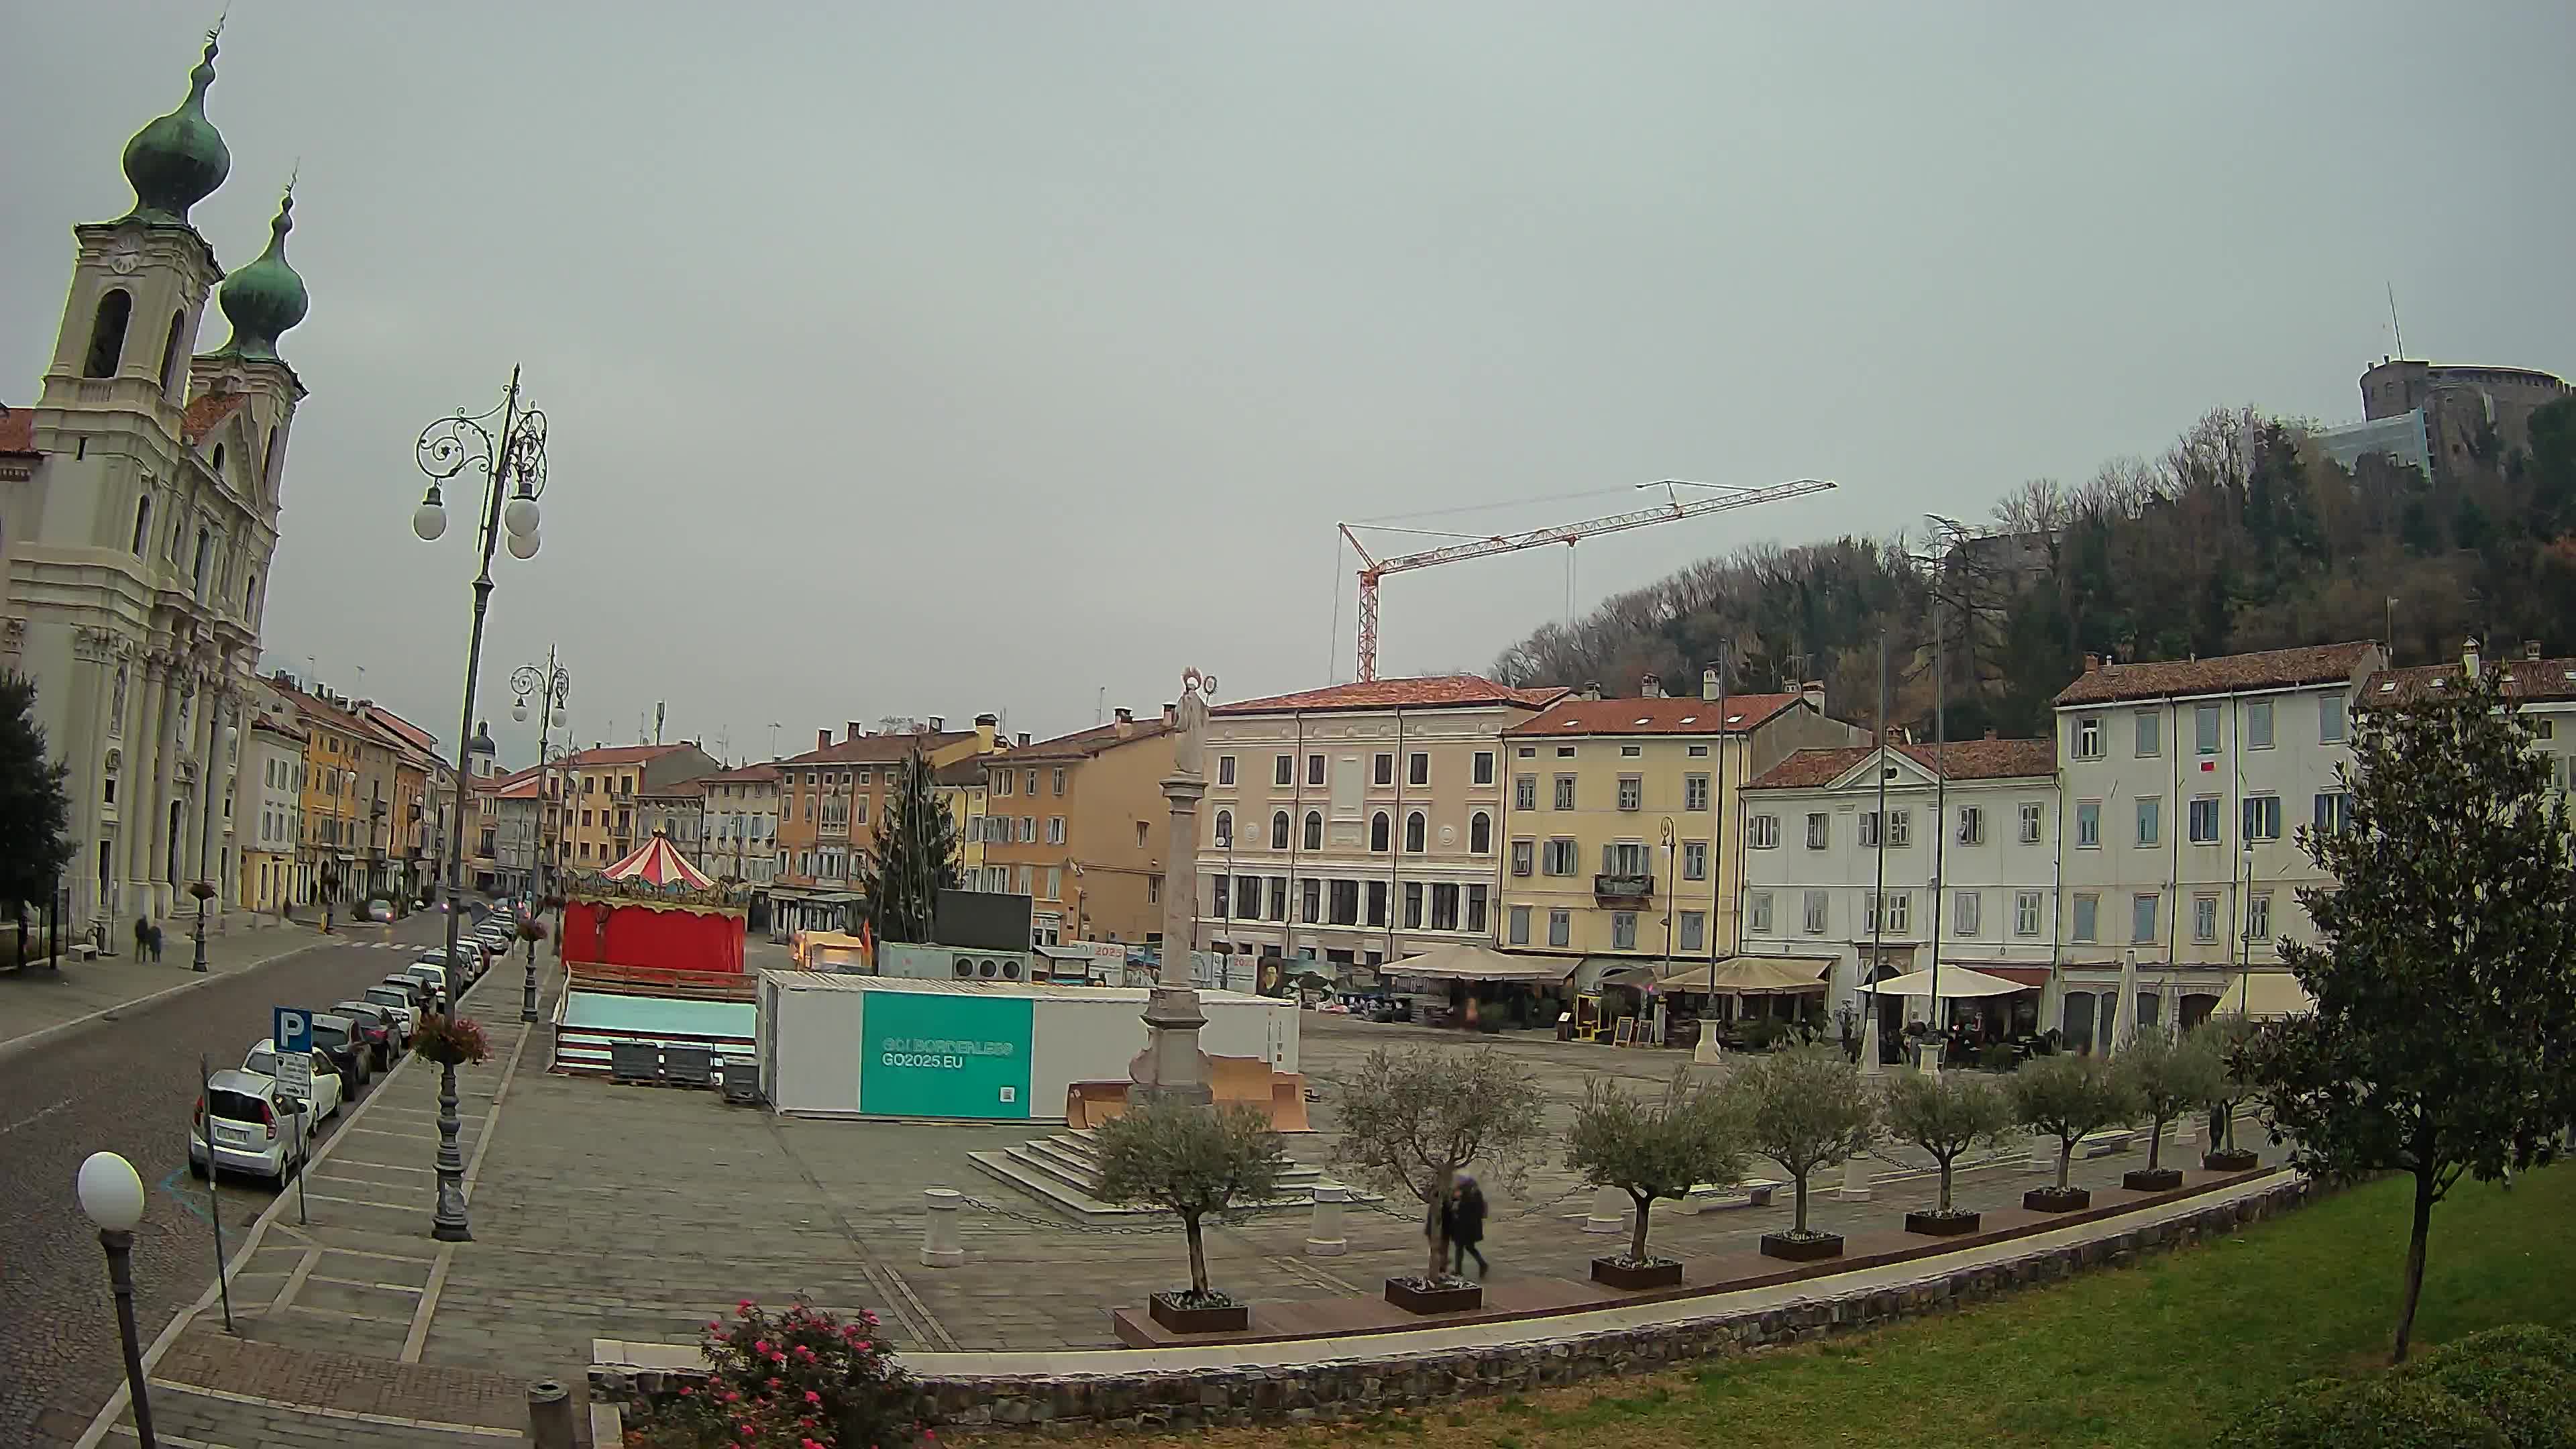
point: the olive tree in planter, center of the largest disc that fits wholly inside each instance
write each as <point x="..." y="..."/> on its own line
<point x="1652" y="1149"/>
<point x="2067" y="1097"/>
<point x="1947" y="1116"/>
<point x="2166" y="1078"/>
<point x="2224" y="1037"/>
<point x="1411" y="1120"/>
<point x="1807" y="1110"/>
<point x="1195" y="1162"/>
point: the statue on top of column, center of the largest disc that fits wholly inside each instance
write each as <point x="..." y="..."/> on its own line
<point x="1189" y="748"/>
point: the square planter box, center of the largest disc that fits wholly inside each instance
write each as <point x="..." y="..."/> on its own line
<point x="1231" y="1318"/>
<point x="1660" y="1273"/>
<point x="1802" y="1250"/>
<point x="2238" y="1160"/>
<point x="2151" y="1179"/>
<point x="2050" y="1200"/>
<point x="1941" y="1225"/>
<point x="1412" y="1298"/>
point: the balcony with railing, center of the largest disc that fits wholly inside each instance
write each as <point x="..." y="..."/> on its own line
<point x="1624" y="886"/>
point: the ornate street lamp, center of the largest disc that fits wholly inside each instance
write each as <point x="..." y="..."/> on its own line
<point x="513" y="464"/>
<point x="111" y="1194"/>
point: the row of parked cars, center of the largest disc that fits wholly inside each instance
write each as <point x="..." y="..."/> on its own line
<point x="246" y="1122"/>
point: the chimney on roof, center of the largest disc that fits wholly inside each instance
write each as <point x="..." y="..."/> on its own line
<point x="987" y="731"/>
<point x="1813" y="692"/>
<point x="1022" y="739"/>
<point x="2531" y="650"/>
<point x="2469" y="656"/>
<point x="1709" y="688"/>
<point x="1591" y="690"/>
<point x="1650" y="686"/>
<point x="1990" y="734"/>
<point x="822" y="739"/>
<point x="854" y="731"/>
<point x="1171" y="715"/>
<point x="1126" y="723"/>
<point x="939" y="724"/>
<point x="2092" y="663"/>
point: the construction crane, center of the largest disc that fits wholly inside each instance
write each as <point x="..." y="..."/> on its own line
<point x="1672" y="510"/>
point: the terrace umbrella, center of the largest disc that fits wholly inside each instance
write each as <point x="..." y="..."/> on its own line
<point x="2124" y="1011"/>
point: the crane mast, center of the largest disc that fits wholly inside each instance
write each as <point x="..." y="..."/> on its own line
<point x="1671" y="510"/>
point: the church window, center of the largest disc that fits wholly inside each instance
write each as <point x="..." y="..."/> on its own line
<point x="142" y="523"/>
<point x="205" y="552"/>
<point x="107" y="333"/>
<point x="219" y="460"/>
<point x="170" y="350"/>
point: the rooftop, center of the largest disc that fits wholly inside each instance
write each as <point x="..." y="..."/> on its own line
<point x="760" y="774"/>
<point x="1436" y="691"/>
<point x="1741" y="712"/>
<point x="17" y="429"/>
<point x="1961" y="760"/>
<point x="965" y="773"/>
<point x="621" y="754"/>
<point x="1083" y="744"/>
<point x="207" y="411"/>
<point x="2105" y="681"/>
<point x="879" y="748"/>
<point x="2541" y="679"/>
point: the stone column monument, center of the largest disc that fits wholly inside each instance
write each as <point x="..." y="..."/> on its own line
<point x="1172" y="1068"/>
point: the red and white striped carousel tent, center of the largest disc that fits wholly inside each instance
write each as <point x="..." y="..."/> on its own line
<point x="655" y="863"/>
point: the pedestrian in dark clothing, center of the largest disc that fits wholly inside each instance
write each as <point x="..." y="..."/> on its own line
<point x="1462" y="1222"/>
<point x="142" y="937"/>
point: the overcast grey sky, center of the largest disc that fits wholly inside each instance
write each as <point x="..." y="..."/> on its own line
<point x="935" y="358"/>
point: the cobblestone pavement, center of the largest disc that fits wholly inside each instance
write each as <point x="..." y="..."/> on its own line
<point x="128" y="1085"/>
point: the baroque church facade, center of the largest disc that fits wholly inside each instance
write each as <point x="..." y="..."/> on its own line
<point x="139" y="501"/>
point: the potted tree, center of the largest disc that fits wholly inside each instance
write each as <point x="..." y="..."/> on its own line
<point x="1652" y="1149"/>
<point x="1806" y="1110"/>
<point x="1192" y="1161"/>
<point x="2066" y="1097"/>
<point x="1411" y="1120"/>
<point x="2165" y="1078"/>
<point x="1947" y="1116"/>
<point x="2226" y="1037"/>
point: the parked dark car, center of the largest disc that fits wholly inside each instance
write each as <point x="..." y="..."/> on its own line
<point x="351" y="1052"/>
<point x="378" y="1027"/>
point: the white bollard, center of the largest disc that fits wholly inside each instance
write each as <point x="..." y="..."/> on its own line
<point x="1610" y="1208"/>
<point x="1870" y="1066"/>
<point x="1324" y="1237"/>
<point x="2043" y="1156"/>
<point x="2186" y="1129"/>
<point x="940" y="1245"/>
<point x="1856" y="1176"/>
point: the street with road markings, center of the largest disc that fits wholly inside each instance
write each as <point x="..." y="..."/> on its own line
<point x="128" y="1083"/>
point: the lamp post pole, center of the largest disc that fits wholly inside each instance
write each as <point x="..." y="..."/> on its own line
<point x="517" y="456"/>
<point x="552" y="686"/>
<point x="111" y="1194"/>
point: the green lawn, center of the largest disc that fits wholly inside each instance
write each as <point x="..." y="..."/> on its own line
<point x="2159" y="1354"/>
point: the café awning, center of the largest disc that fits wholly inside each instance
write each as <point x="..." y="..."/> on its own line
<point x="1956" y="981"/>
<point x="2262" y="994"/>
<point x="1469" y="962"/>
<point x="1753" y="975"/>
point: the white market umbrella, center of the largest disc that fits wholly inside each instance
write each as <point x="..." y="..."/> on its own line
<point x="2124" y="1010"/>
<point x="1956" y="982"/>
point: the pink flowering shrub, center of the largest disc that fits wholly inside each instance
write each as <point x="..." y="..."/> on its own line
<point x="797" y="1379"/>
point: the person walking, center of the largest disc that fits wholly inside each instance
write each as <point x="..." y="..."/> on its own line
<point x="1463" y="1224"/>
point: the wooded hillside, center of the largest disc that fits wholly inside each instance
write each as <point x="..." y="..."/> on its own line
<point x="2242" y="535"/>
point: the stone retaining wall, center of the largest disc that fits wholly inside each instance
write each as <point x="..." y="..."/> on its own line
<point x="1370" y="1383"/>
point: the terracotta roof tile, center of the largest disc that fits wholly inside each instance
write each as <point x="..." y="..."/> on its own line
<point x="2545" y="679"/>
<point x="2268" y="669"/>
<point x="17" y="430"/>
<point x="961" y="773"/>
<point x="621" y="754"/>
<point x="761" y="774"/>
<point x="876" y="749"/>
<point x="207" y="411"/>
<point x="1083" y="744"/>
<point x="1438" y="691"/>
<point x="1654" y="716"/>
<point x="1965" y="759"/>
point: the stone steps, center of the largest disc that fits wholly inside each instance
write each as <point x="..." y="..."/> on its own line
<point x="1063" y="1172"/>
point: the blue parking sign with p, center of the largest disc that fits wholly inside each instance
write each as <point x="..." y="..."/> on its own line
<point x="291" y="1027"/>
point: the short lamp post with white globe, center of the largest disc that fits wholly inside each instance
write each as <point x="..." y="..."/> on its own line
<point x="513" y="464"/>
<point x="552" y="688"/>
<point x="111" y="1194"/>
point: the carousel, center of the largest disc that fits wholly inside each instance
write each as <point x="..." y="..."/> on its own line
<point x="653" y="911"/>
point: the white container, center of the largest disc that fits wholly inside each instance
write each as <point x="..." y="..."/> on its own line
<point x="873" y="1046"/>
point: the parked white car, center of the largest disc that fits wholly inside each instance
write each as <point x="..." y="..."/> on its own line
<point x="328" y="1092"/>
<point x="404" y="1006"/>
<point x="434" y="973"/>
<point x="252" y="1132"/>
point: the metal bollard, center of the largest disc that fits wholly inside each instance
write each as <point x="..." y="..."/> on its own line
<point x="1609" y="1213"/>
<point x="1324" y="1237"/>
<point x="1856" y="1176"/>
<point x="940" y="1245"/>
<point x="550" y="1415"/>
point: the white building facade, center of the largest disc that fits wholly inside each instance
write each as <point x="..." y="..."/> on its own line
<point x="2184" y="783"/>
<point x="740" y="832"/>
<point x="1292" y="861"/>
<point x="139" y="501"/>
<point x="268" y="813"/>
<point x="1964" y="868"/>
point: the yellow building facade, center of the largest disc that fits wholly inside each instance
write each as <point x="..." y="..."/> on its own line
<point x="963" y="789"/>
<point x="1620" y="820"/>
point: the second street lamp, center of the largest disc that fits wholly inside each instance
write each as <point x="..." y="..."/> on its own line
<point x="552" y="687"/>
<point x="513" y="464"/>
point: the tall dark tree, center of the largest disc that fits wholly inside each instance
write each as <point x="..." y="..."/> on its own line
<point x="2443" y="1043"/>
<point x="915" y="857"/>
<point x="35" y="812"/>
